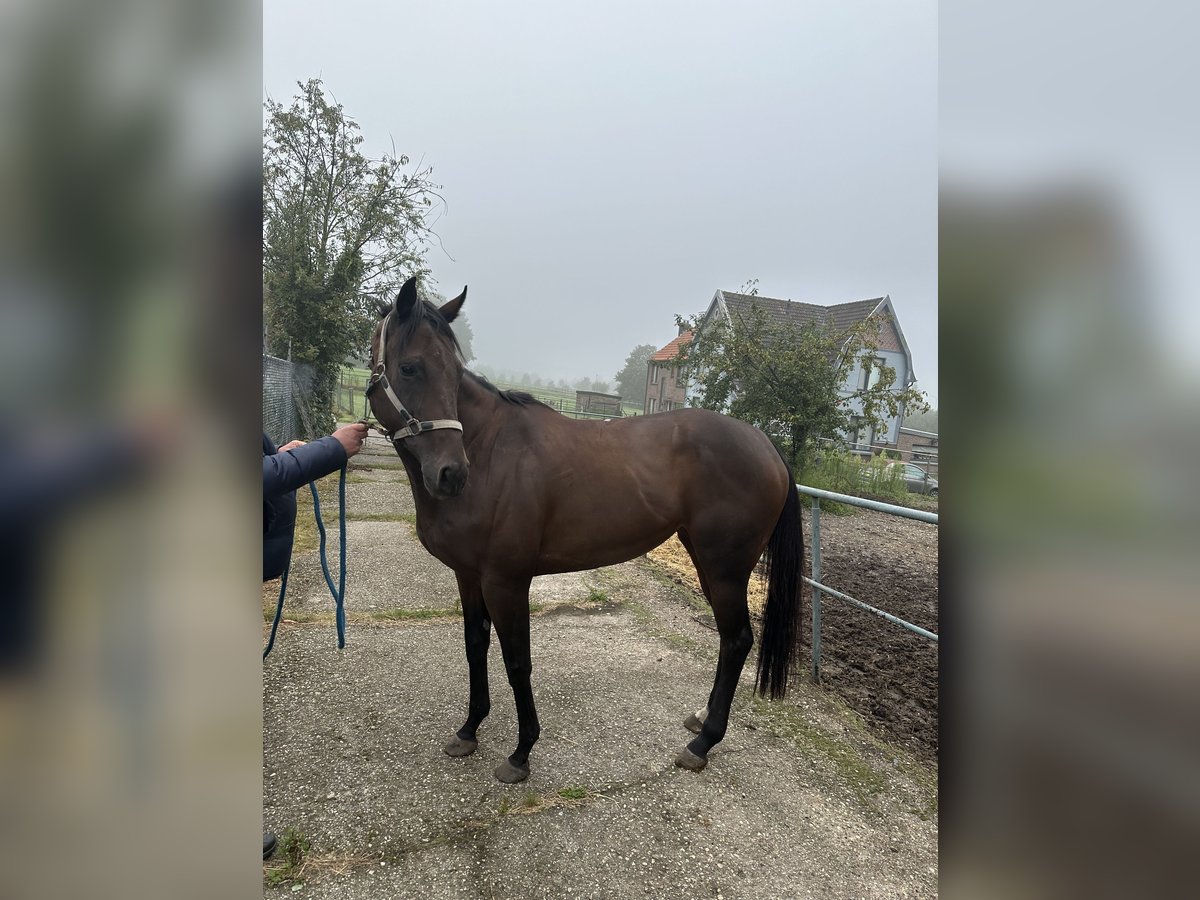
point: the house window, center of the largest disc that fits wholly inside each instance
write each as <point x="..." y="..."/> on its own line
<point x="653" y="374"/>
<point x="871" y="367"/>
<point x="651" y="404"/>
<point x="669" y="404"/>
<point x="861" y="434"/>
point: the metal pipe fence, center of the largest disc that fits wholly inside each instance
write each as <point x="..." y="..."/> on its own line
<point x="817" y="495"/>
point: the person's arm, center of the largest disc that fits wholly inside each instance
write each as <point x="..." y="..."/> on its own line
<point x="292" y="469"/>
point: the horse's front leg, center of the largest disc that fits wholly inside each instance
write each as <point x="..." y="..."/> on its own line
<point x="477" y="629"/>
<point x="508" y="603"/>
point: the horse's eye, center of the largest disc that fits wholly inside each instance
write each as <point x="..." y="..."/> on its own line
<point x="408" y="370"/>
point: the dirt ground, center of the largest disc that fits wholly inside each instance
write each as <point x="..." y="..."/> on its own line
<point x="886" y="673"/>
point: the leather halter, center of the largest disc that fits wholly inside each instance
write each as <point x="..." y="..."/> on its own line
<point x="411" y="426"/>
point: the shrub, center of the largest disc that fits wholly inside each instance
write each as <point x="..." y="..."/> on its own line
<point x="845" y="473"/>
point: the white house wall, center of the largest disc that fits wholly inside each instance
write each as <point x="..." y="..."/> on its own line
<point x="895" y="360"/>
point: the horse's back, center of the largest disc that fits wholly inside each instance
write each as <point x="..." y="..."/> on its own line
<point x="707" y="440"/>
<point x="628" y="484"/>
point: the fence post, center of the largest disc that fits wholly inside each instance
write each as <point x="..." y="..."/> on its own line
<point x="816" y="592"/>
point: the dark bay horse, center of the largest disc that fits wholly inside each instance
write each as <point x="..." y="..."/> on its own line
<point x="507" y="488"/>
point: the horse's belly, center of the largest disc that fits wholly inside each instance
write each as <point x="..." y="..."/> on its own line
<point x="590" y="540"/>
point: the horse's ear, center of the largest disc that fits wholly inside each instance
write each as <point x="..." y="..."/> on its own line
<point x="450" y="309"/>
<point x="406" y="300"/>
<point x="382" y="307"/>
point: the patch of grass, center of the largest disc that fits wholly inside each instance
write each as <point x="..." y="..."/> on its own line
<point x="358" y="478"/>
<point x="597" y="596"/>
<point x="533" y="802"/>
<point x="300" y="618"/>
<point x="360" y="516"/>
<point x="288" y="861"/>
<point x="410" y="518"/>
<point x="361" y="617"/>
<point x="386" y="466"/>
<point x="677" y="641"/>
<point x="395" y="479"/>
<point x="641" y="613"/>
<point x="650" y="622"/>
<point x="412" y="615"/>
<point x="788" y="721"/>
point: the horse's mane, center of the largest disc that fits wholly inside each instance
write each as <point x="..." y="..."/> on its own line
<point x="518" y="398"/>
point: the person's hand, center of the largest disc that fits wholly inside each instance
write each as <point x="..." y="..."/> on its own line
<point x="351" y="437"/>
<point x="291" y="445"/>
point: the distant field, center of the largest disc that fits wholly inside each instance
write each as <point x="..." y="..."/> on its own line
<point x="350" y="399"/>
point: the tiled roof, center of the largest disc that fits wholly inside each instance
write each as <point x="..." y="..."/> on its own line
<point x="671" y="351"/>
<point x="841" y="315"/>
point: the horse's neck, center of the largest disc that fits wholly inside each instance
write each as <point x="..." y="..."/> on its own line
<point x="481" y="413"/>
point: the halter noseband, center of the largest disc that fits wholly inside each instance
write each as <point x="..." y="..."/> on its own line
<point x="411" y="426"/>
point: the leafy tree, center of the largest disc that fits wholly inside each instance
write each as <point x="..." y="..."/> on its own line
<point x="631" y="380"/>
<point x="785" y="379"/>
<point x="600" y="385"/>
<point x="337" y="228"/>
<point x="460" y="326"/>
<point x="466" y="337"/>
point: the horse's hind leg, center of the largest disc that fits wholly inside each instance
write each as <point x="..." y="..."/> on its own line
<point x="477" y="629"/>
<point x="508" y="603"/>
<point x="733" y="623"/>
<point x="695" y="721"/>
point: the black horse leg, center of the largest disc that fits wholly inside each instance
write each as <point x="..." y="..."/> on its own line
<point x="695" y="721"/>
<point x="733" y="623"/>
<point x="509" y="605"/>
<point x="477" y="629"/>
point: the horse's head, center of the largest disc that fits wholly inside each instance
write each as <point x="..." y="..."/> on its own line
<point x="416" y="372"/>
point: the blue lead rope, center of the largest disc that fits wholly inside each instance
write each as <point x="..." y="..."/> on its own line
<point x="339" y="592"/>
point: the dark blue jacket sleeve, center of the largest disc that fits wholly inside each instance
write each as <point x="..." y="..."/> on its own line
<point x="292" y="469"/>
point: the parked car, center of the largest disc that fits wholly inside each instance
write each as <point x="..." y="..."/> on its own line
<point x="917" y="480"/>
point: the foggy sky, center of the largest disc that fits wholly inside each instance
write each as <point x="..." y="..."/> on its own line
<point x="609" y="165"/>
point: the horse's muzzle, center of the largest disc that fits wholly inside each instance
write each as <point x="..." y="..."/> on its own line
<point x="451" y="480"/>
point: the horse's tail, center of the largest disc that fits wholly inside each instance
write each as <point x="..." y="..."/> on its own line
<point x="784" y="610"/>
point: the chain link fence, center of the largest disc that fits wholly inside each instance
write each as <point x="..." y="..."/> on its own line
<point x="286" y="387"/>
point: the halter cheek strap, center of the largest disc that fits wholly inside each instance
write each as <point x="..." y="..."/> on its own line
<point x="410" y="426"/>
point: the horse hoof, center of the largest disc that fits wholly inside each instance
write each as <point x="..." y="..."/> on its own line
<point x="460" y="747"/>
<point x="510" y="774"/>
<point x="690" y="761"/>
<point x="693" y="724"/>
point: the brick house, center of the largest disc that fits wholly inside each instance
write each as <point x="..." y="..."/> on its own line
<point x="666" y="388"/>
<point x="920" y="448"/>
<point x="892" y="351"/>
